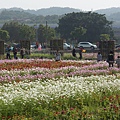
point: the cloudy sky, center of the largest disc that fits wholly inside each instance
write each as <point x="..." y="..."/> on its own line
<point x="84" y="5"/>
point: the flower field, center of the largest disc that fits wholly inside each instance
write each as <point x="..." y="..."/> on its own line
<point x="42" y="89"/>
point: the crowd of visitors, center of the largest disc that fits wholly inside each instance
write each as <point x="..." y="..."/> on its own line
<point x="14" y="49"/>
<point x="110" y="57"/>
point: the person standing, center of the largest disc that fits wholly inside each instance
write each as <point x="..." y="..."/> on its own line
<point x="22" y="52"/>
<point x="15" y="52"/>
<point x="118" y="61"/>
<point x="80" y="52"/>
<point x="39" y="47"/>
<point x="110" y="59"/>
<point x="74" y="52"/>
<point x="99" y="57"/>
<point x="8" y="49"/>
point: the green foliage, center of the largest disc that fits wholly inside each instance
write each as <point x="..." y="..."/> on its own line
<point x="7" y="15"/>
<point x="94" y="23"/>
<point x="78" y="32"/>
<point x="102" y="105"/>
<point x="52" y="15"/>
<point x="68" y="56"/>
<point x="27" y="33"/>
<point x="27" y="17"/>
<point x="41" y="55"/>
<point x="19" y="31"/>
<point x="45" y="33"/>
<point x="4" y="35"/>
<point x="81" y="26"/>
<point x="104" y="37"/>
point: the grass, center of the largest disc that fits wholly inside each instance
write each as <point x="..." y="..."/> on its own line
<point x="65" y="56"/>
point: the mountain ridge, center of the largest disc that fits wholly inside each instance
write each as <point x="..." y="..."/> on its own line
<point x="112" y="14"/>
<point x="62" y="10"/>
<point x="45" y="11"/>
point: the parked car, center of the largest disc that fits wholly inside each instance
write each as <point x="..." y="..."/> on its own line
<point x="87" y="45"/>
<point x="66" y="46"/>
<point x="117" y="46"/>
<point x="32" y="46"/>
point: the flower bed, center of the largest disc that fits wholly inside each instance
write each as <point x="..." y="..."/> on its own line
<point x="45" y="89"/>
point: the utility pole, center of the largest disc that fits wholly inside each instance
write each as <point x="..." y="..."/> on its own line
<point x="36" y="30"/>
<point x="36" y="33"/>
<point x="46" y="34"/>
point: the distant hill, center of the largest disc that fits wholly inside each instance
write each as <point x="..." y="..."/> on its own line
<point x="112" y="14"/>
<point x="53" y="14"/>
<point x="53" y="11"/>
<point x="108" y="11"/>
<point x="46" y="11"/>
<point x="62" y="10"/>
<point x="31" y="17"/>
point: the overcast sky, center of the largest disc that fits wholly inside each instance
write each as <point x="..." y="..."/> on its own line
<point x="85" y="5"/>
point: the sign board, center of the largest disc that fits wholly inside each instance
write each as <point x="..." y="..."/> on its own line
<point x="25" y="44"/>
<point x="2" y="47"/>
<point x="105" y="47"/>
<point x="56" y="44"/>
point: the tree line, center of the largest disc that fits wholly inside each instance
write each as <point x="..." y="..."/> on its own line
<point x="73" y="27"/>
<point x="28" y="18"/>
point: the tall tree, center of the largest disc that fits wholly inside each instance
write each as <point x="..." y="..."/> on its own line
<point x="45" y="34"/>
<point x="4" y="35"/>
<point x="94" y="23"/>
<point x="19" y="31"/>
<point x="13" y="29"/>
<point x="27" y="33"/>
